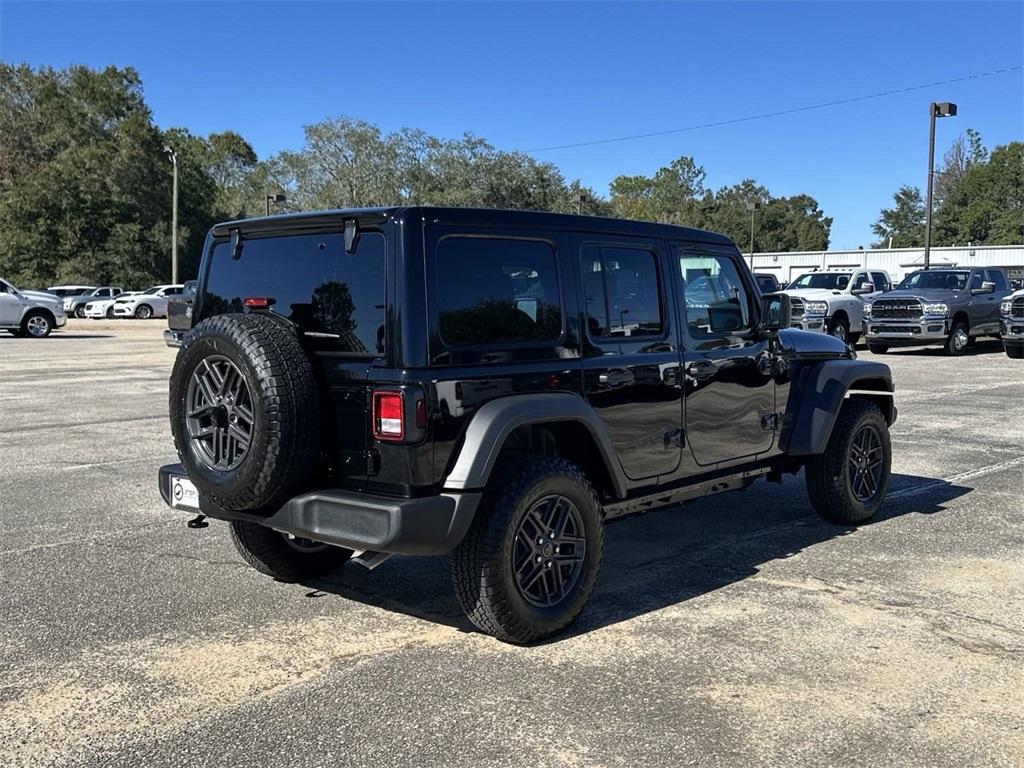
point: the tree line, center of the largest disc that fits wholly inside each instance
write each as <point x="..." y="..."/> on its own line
<point x="85" y="184"/>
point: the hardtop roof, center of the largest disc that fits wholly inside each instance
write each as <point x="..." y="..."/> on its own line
<point x="489" y="217"/>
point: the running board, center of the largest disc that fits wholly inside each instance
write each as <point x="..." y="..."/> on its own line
<point x="370" y="559"/>
<point x="699" y="490"/>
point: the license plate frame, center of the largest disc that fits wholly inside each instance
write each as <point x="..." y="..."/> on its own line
<point x="182" y="493"/>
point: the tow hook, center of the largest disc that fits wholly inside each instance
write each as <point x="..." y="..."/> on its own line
<point x="199" y="521"/>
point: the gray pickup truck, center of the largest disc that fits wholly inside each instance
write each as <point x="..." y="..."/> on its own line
<point x="947" y="307"/>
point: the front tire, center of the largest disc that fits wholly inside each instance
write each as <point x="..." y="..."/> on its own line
<point x="878" y="349"/>
<point x="80" y="311"/>
<point x="847" y="482"/>
<point x="528" y="564"/>
<point x="143" y="312"/>
<point x="110" y="313"/>
<point x="839" y="328"/>
<point x="286" y="559"/>
<point x="37" y="325"/>
<point x="958" y="340"/>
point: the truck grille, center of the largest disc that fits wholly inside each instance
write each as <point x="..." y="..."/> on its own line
<point x="896" y="309"/>
<point x="796" y="308"/>
<point x="1017" y="308"/>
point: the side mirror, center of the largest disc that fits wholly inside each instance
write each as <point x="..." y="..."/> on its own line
<point x="775" y="313"/>
<point x="986" y="287"/>
<point x="864" y="288"/>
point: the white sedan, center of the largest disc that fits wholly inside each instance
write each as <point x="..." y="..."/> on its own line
<point x="103" y="309"/>
<point x="150" y="303"/>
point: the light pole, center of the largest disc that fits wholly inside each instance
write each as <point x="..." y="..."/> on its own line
<point x="751" y="207"/>
<point x="174" y="215"/>
<point x="935" y="109"/>
<point x="277" y="199"/>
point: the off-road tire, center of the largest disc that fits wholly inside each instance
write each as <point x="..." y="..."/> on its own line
<point x="285" y="439"/>
<point x="828" y="474"/>
<point x="878" y="349"/>
<point x="950" y="346"/>
<point x="482" y="563"/>
<point x="269" y="552"/>
<point x="143" y="312"/>
<point x="837" y="324"/>
<point x="1016" y="352"/>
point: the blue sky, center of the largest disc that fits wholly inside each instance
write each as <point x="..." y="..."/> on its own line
<point x="527" y="75"/>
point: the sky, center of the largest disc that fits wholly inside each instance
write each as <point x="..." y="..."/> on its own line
<point x="526" y="76"/>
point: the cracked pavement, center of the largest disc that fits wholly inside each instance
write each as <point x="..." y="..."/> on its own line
<point x="735" y="631"/>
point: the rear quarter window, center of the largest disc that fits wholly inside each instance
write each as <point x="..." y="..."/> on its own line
<point x="309" y="279"/>
<point x="494" y="291"/>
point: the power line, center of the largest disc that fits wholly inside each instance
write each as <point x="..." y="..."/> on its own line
<point x="779" y="113"/>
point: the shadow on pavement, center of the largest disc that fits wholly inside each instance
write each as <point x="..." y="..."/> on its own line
<point x="654" y="560"/>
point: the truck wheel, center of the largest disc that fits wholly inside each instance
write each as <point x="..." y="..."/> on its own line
<point x="527" y="566"/>
<point x="839" y="328"/>
<point x="285" y="558"/>
<point x="36" y="324"/>
<point x="958" y="340"/>
<point x="853" y="339"/>
<point x="847" y="482"/>
<point x="1016" y="352"/>
<point x="878" y="349"/>
<point x="245" y="410"/>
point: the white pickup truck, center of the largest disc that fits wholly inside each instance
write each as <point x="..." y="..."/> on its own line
<point x="832" y="301"/>
<point x="29" y="313"/>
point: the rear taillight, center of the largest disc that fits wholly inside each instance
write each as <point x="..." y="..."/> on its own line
<point x="388" y="415"/>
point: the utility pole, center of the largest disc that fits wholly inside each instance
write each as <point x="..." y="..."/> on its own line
<point x="279" y="199"/>
<point x="751" y="207"/>
<point x="174" y="215"/>
<point x="940" y="109"/>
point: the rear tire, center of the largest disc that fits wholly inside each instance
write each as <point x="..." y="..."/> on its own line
<point x="878" y="349"/>
<point x="847" y="482"/>
<point x="512" y="578"/>
<point x="958" y="340"/>
<point x="275" y="554"/>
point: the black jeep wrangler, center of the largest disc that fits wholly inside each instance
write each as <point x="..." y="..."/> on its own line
<point x="496" y="386"/>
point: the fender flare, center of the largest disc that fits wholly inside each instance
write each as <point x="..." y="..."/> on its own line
<point x="497" y="419"/>
<point x="818" y="400"/>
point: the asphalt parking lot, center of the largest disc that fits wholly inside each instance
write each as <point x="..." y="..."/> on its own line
<point x="736" y="631"/>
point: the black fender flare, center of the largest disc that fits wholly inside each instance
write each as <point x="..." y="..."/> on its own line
<point x="815" y="401"/>
<point x="497" y="419"/>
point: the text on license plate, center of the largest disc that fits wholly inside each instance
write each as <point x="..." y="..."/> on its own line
<point x="183" y="493"/>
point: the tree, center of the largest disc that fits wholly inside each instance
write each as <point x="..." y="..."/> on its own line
<point x="903" y="224"/>
<point x="986" y="205"/>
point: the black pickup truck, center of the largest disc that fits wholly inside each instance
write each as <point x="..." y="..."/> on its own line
<point x="948" y="307"/>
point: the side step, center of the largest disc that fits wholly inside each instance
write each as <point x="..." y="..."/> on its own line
<point x="369" y="559"/>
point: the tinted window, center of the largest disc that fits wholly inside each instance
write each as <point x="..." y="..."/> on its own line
<point x="859" y="280"/>
<point x="935" y="279"/>
<point x="829" y="281"/>
<point x="497" y="291"/>
<point x="881" y="284"/>
<point x="309" y="279"/>
<point x="716" y="301"/>
<point x="976" y="280"/>
<point x="766" y="283"/>
<point x="997" y="277"/>
<point x="620" y="287"/>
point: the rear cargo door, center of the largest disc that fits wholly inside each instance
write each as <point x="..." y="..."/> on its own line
<point x="336" y="300"/>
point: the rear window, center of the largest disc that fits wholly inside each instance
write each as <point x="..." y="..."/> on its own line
<point x="309" y="279"/>
<point x="493" y="291"/>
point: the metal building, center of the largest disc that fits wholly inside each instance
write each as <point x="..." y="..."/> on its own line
<point x="896" y="261"/>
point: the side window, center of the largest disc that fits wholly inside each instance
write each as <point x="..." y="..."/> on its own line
<point x="859" y="280"/>
<point x="997" y="277"/>
<point x="494" y="291"/>
<point x="716" y="300"/>
<point x="977" y="278"/>
<point x="842" y="281"/>
<point x="881" y="284"/>
<point x="620" y="288"/>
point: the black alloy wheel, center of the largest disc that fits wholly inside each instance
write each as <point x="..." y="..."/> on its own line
<point x="866" y="463"/>
<point x="219" y="416"/>
<point x="550" y="547"/>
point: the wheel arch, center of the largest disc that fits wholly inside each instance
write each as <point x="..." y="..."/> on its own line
<point x="817" y="396"/>
<point x="558" y="422"/>
<point x="961" y="316"/>
<point x="39" y="311"/>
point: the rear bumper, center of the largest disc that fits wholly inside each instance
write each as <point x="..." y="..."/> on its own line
<point x="431" y="525"/>
<point x="173" y="338"/>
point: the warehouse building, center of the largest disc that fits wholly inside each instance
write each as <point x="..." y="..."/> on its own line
<point x="896" y="261"/>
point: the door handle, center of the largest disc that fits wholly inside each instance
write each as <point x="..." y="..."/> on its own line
<point x="700" y="369"/>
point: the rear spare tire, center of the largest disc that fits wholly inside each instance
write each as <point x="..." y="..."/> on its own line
<point x="245" y="412"/>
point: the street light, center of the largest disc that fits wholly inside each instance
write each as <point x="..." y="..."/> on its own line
<point x="935" y="109"/>
<point x="751" y="207"/>
<point x="174" y="215"/>
<point x="277" y="199"/>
